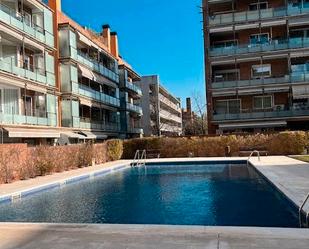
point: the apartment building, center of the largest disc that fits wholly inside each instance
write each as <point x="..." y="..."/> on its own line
<point x="256" y="59"/>
<point x="161" y="110"/>
<point x="60" y="82"/>
<point x="28" y="91"/>
<point x="130" y="98"/>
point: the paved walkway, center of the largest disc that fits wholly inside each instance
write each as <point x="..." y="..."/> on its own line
<point x="48" y="236"/>
<point x="8" y="189"/>
<point x="289" y="175"/>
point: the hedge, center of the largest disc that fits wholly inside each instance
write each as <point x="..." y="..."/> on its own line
<point x="18" y="162"/>
<point x="284" y="143"/>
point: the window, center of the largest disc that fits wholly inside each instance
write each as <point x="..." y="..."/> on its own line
<point x="225" y="44"/>
<point x="258" y="6"/>
<point x="259" y="38"/>
<point x="228" y="106"/>
<point x="260" y="71"/>
<point x="226" y="75"/>
<point x="28" y="106"/>
<point x="263" y="102"/>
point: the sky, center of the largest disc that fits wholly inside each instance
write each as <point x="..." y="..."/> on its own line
<point x="161" y="37"/>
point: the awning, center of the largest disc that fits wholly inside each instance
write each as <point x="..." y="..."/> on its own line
<point x="73" y="135"/>
<point x="87" y="73"/>
<point x="300" y="92"/>
<point x="100" y="79"/>
<point x="32" y="133"/>
<point x="252" y="125"/>
<point x="84" y="39"/>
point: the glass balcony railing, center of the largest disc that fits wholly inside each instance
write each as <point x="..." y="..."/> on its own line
<point x="293" y="112"/>
<point x="13" y="18"/>
<point x="27" y="71"/>
<point x="134" y="108"/>
<point x="88" y="124"/>
<point x="248" y="16"/>
<point x="294" y="77"/>
<point x="14" y="119"/>
<point x="104" y="98"/>
<point x="96" y="66"/>
<point x="134" y="88"/>
<point x="274" y="45"/>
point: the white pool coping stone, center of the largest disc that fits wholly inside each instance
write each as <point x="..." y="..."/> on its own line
<point x="20" y="189"/>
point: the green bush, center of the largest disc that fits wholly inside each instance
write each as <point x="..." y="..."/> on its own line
<point x="114" y="149"/>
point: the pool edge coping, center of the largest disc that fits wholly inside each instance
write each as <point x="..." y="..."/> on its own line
<point x="11" y="197"/>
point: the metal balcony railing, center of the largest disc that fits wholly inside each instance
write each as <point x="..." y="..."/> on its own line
<point x="293" y="112"/>
<point x="89" y="124"/>
<point x="263" y="14"/>
<point x="134" y="108"/>
<point x="104" y="98"/>
<point x="134" y="88"/>
<point x="26" y="70"/>
<point x="274" y="45"/>
<point x="294" y="77"/>
<point x="97" y="66"/>
<point x="15" y="119"/>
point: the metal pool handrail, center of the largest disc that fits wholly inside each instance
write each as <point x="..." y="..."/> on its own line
<point x="138" y="157"/>
<point x="300" y="212"/>
<point x="255" y="151"/>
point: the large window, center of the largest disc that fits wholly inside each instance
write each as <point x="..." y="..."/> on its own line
<point x="225" y="44"/>
<point x="258" y="6"/>
<point x="226" y="75"/>
<point x="260" y="71"/>
<point x="228" y="106"/>
<point x="263" y="102"/>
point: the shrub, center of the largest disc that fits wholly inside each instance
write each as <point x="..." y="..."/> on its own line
<point x="114" y="149"/>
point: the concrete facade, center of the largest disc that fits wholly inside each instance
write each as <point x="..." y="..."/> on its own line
<point x="161" y="110"/>
<point x="256" y="56"/>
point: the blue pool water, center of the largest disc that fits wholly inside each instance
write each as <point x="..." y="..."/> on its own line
<point x="216" y="194"/>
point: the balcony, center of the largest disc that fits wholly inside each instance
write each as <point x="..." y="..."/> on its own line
<point x="30" y="72"/>
<point x="275" y="45"/>
<point x="293" y="112"/>
<point x="85" y="123"/>
<point x="92" y="94"/>
<point x="170" y="116"/>
<point x="134" y="88"/>
<point x="14" y="119"/>
<point x="294" y="77"/>
<point x="263" y="14"/>
<point x="96" y="66"/>
<point x="169" y="103"/>
<point x="14" y="19"/>
<point x="134" y="108"/>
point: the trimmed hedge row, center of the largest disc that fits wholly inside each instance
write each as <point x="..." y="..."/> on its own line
<point x="284" y="143"/>
<point x="18" y="162"/>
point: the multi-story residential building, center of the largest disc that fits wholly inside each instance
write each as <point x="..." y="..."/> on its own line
<point x="60" y="81"/>
<point x="161" y="110"/>
<point x="256" y="58"/>
<point x="28" y="89"/>
<point x="130" y="95"/>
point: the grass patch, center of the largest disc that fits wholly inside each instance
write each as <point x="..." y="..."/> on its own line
<point x="302" y="158"/>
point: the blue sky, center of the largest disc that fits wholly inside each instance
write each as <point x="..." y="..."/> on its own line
<point x="155" y="36"/>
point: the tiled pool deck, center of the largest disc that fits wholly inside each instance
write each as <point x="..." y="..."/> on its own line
<point x="290" y="176"/>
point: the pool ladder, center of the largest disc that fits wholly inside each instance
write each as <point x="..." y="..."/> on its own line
<point x="300" y="213"/>
<point x="139" y="158"/>
<point x="253" y="152"/>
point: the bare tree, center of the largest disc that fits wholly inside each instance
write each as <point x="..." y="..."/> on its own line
<point x="198" y="126"/>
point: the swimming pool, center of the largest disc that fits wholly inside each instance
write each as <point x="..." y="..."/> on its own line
<point x="217" y="194"/>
